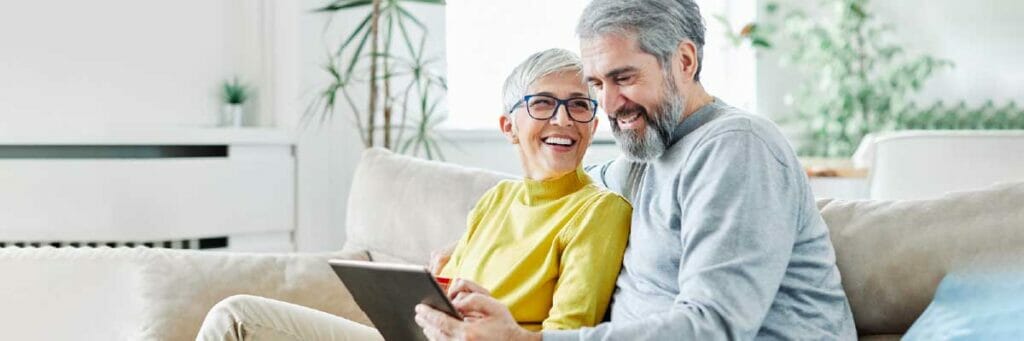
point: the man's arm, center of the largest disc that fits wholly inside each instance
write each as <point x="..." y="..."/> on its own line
<point x="737" y="233"/>
<point x="619" y="175"/>
<point x="598" y="171"/>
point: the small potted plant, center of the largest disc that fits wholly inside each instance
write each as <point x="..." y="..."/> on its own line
<point x="234" y="95"/>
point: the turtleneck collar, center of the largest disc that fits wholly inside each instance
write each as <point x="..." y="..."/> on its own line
<point x="541" y="191"/>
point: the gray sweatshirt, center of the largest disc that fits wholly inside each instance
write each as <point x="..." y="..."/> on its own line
<point x="726" y="241"/>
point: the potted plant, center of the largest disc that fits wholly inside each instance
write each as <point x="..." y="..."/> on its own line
<point x="234" y="95"/>
<point x="385" y="52"/>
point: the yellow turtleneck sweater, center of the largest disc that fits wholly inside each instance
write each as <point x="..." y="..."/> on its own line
<point x="549" y="250"/>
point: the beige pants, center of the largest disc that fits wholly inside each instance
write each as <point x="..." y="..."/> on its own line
<point x="245" y="317"/>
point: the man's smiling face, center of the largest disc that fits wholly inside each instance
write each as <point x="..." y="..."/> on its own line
<point x="640" y="98"/>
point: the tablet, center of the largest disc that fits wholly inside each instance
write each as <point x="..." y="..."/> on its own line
<point x="389" y="293"/>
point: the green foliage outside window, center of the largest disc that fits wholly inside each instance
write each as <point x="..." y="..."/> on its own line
<point x="858" y="80"/>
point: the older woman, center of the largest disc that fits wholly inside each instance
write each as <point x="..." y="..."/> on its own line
<point x="548" y="246"/>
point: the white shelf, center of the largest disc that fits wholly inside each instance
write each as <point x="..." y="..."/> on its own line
<point x="145" y="136"/>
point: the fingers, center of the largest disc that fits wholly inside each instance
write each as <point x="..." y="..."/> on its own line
<point x="435" y="334"/>
<point x="437" y="263"/>
<point x="465" y="286"/>
<point x="437" y="325"/>
<point x="440" y="258"/>
<point x="480" y="306"/>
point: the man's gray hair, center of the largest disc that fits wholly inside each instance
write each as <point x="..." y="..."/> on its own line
<point x="657" y="25"/>
<point x="535" y="67"/>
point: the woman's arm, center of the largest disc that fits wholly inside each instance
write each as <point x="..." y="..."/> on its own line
<point x="589" y="264"/>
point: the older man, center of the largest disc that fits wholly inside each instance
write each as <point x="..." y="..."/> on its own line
<point x="726" y="242"/>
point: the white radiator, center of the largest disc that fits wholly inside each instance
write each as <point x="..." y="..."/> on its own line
<point x="182" y="244"/>
<point x="158" y="187"/>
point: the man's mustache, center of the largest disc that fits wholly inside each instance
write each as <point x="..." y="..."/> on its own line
<point x="629" y="109"/>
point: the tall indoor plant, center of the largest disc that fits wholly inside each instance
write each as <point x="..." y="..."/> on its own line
<point x="385" y="52"/>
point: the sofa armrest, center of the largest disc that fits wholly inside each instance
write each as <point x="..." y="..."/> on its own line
<point x="151" y="293"/>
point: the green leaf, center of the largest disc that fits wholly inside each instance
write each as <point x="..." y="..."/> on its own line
<point x="359" y="28"/>
<point x="233" y="92"/>
<point x="406" y="14"/>
<point x="858" y="10"/>
<point x="760" y="42"/>
<point x="432" y="2"/>
<point x="343" y="4"/>
<point x="357" y="55"/>
<point x="407" y="40"/>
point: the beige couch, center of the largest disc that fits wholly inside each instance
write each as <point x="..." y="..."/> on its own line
<point x="891" y="254"/>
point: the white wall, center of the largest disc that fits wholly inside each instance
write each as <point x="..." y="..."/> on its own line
<point x="125" y="63"/>
<point x="328" y="154"/>
<point x="981" y="37"/>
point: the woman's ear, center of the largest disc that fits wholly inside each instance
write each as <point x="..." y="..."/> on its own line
<point x="507" y="128"/>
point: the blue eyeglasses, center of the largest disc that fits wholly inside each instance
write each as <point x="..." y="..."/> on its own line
<point x="544" y="107"/>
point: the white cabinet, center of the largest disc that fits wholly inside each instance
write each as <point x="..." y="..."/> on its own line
<point x="164" y="187"/>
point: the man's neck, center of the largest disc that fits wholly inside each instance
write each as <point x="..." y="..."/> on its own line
<point x="696" y="98"/>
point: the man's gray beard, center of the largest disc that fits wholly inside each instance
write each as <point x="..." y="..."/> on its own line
<point x="661" y="121"/>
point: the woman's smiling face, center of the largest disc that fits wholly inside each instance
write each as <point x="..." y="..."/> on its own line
<point x="556" y="146"/>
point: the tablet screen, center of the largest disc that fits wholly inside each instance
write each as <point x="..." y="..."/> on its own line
<point x="389" y="293"/>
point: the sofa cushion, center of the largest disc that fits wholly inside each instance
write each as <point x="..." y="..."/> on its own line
<point x="62" y="294"/>
<point x="152" y="294"/>
<point x="892" y="254"/>
<point x="974" y="305"/>
<point x="401" y="208"/>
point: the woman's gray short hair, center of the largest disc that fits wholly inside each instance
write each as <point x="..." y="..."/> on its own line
<point x="535" y="67"/>
<point x="657" y="25"/>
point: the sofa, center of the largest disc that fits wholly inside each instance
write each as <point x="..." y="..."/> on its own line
<point x="891" y="254"/>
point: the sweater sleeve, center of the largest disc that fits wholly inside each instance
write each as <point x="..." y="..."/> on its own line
<point x="589" y="264"/>
<point x="737" y="234"/>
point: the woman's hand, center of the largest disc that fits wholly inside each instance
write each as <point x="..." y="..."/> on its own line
<point x="439" y="258"/>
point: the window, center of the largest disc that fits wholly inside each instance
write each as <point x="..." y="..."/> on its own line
<point x="486" y="39"/>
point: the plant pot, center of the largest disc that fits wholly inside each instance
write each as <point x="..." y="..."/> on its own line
<point x="233" y="115"/>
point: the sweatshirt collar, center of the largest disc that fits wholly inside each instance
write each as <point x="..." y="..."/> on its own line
<point x="698" y="118"/>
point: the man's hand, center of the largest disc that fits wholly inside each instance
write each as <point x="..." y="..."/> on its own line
<point x="439" y="258"/>
<point x="485" y="319"/>
<point x="461" y="286"/>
